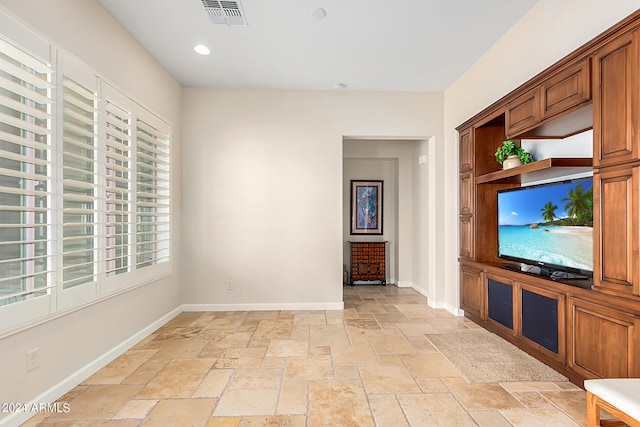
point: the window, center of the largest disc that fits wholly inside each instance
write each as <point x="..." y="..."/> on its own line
<point x="119" y="178"/>
<point x="25" y="176"/>
<point x="80" y="185"/>
<point x="152" y="217"/>
<point x="84" y="187"/>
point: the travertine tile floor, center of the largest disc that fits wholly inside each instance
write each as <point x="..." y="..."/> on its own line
<point x="369" y="365"/>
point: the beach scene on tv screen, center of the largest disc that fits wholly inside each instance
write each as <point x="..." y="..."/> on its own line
<point x="552" y="224"/>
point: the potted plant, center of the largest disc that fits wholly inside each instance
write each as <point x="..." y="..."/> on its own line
<point x="510" y="155"/>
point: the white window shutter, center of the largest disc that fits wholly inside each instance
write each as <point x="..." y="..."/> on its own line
<point x="152" y="195"/>
<point x="26" y="187"/>
<point x="119" y="188"/>
<point x="80" y="185"/>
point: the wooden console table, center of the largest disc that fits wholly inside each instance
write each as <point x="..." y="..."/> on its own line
<point x="368" y="262"/>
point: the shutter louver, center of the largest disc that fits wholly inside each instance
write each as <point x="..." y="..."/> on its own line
<point x="25" y="170"/>
<point x="79" y="185"/>
<point x="152" y="196"/>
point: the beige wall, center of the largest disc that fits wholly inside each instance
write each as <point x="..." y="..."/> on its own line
<point x="74" y="344"/>
<point x="263" y="195"/>
<point x="550" y="31"/>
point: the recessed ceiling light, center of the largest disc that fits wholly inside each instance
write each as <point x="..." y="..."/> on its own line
<point x="202" y="49"/>
<point x="319" y="13"/>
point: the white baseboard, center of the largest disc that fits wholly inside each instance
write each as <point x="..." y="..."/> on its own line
<point x="64" y="386"/>
<point x="444" y="306"/>
<point x="263" y="307"/>
<point x="421" y="291"/>
<point x="405" y="284"/>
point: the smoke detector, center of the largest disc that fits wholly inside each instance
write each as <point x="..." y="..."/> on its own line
<point x="227" y="12"/>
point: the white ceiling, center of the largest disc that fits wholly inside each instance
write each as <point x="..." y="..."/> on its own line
<point x="394" y="45"/>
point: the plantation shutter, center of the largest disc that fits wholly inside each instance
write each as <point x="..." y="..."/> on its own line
<point x="152" y="195"/>
<point x="80" y="185"/>
<point x="26" y="185"/>
<point x="119" y="178"/>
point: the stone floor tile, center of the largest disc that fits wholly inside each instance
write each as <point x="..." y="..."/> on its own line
<point x="180" y="412"/>
<point x="387" y="411"/>
<point x="481" y="396"/>
<point x="309" y="368"/>
<point x="354" y="355"/>
<point x="224" y="422"/>
<point x="573" y="403"/>
<point x="99" y="401"/>
<point x="183" y="349"/>
<point x="178" y="379"/>
<point x="434" y="410"/>
<point x="287" y="347"/>
<point x="275" y="421"/>
<point x="327" y="335"/>
<point x="119" y="369"/>
<point x="293" y="398"/>
<point x="136" y="409"/>
<point x="430" y="365"/>
<point x="388" y="379"/>
<point x="146" y="372"/>
<point x="489" y="419"/>
<point x="238" y="402"/>
<point x="530" y="386"/>
<point x="538" y="418"/>
<point x="533" y="400"/>
<point x="431" y="385"/>
<point x="214" y="383"/>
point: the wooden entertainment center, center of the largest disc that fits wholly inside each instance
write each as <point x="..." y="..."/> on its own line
<point x="590" y="331"/>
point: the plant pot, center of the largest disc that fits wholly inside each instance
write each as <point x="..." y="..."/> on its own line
<point x="511" y="162"/>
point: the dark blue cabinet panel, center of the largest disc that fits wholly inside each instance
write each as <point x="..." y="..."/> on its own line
<point x="540" y="320"/>
<point x="500" y="303"/>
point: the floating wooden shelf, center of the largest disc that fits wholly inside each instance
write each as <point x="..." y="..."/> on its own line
<point x="542" y="169"/>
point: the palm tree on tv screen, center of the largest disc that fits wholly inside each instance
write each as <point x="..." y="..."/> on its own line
<point x="549" y="211"/>
<point x="580" y="205"/>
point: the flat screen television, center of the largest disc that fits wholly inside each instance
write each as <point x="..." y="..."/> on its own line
<point x="549" y="226"/>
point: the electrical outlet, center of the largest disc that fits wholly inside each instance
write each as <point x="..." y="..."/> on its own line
<point x="33" y="359"/>
<point x="229" y="285"/>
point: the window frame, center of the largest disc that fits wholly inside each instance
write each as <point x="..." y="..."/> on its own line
<point x="58" y="300"/>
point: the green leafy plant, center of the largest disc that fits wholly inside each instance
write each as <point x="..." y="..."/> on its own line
<point x="509" y="148"/>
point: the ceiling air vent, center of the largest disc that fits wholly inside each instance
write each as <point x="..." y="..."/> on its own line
<point x="227" y="12"/>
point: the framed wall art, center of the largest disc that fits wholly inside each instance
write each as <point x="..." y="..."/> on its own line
<point x="366" y="207"/>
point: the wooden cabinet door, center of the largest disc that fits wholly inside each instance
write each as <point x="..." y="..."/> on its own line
<point x="467" y="245"/>
<point x="466" y="193"/>
<point x="568" y="88"/>
<point x="502" y="303"/>
<point x="615" y="232"/>
<point x="523" y="113"/>
<point x="616" y="98"/>
<point x="466" y="150"/>
<point x="602" y="342"/>
<point x="471" y="291"/>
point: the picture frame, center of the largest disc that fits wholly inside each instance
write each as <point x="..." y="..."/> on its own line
<point x="366" y="207"/>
